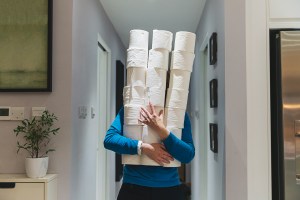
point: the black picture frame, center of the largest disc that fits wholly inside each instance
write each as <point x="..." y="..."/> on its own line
<point x="43" y="75"/>
<point x="213" y="90"/>
<point x="120" y="83"/>
<point x="213" y="133"/>
<point x="213" y="47"/>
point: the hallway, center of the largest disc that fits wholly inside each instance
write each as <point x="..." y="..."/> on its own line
<point x="89" y="49"/>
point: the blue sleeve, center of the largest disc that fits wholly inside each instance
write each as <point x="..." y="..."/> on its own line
<point x="182" y="150"/>
<point x="114" y="139"/>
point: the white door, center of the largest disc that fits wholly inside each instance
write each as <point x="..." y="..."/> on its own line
<point x="102" y="119"/>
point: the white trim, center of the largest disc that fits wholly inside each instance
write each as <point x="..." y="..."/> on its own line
<point x="108" y="111"/>
<point x="204" y="43"/>
<point x="273" y="24"/>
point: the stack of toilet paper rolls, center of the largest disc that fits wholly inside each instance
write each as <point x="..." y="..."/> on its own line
<point x="177" y="94"/>
<point x="146" y="81"/>
<point x="134" y="93"/>
<point x="156" y="81"/>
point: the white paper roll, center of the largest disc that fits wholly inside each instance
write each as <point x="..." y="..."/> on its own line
<point x="134" y="92"/>
<point x="177" y="98"/>
<point x="131" y="159"/>
<point x="150" y="135"/>
<point x="162" y="40"/>
<point x="174" y="117"/>
<point x="156" y="96"/>
<point x="185" y="41"/>
<point x="136" y="76"/>
<point x="156" y="77"/>
<point x="180" y="79"/>
<point x="182" y="60"/>
<point x="176" y="131"/>
<point x="134" y="101"/>
<point x="132" y="114"/>
<point x="156" y="108"/>
<point x="158" y="58"/>
<point x="138" y="39"/>
<point x="133" y="131"/>
<point x="137" y="58"/>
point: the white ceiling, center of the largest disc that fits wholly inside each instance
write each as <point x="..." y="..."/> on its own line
<point x="171" y="15"/>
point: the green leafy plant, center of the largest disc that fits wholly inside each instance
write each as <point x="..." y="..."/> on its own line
<point x="37" y="133"/>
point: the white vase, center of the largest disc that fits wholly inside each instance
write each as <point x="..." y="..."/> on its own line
<point x="36" y="167"/>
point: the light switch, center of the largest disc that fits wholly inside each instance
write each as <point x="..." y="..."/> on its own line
<point x="37" y="111"/>
<point x="82" y="112"/>
<point x="17" y="113"/>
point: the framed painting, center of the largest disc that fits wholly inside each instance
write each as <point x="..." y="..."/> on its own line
<point x="26" y="45"/>
<point x="213" y="132"/>
<point x="213" y="49"/>
<point x="213" y="90"/>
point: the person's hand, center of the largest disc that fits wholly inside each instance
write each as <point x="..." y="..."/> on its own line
<point x="157" y="152"/>
<point x="154" y="120"/>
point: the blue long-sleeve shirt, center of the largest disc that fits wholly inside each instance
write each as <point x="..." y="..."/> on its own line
<point x="151" y="176"/>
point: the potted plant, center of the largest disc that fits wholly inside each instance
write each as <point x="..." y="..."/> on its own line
<point x="37" y="134"/>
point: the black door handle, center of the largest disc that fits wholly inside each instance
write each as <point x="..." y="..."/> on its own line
<point x="7" y="185"/>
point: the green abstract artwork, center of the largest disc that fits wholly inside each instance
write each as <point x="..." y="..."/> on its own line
<point x="24" y="44"/>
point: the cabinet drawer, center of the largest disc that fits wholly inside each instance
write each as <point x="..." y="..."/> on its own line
<point x="23" y="191"/>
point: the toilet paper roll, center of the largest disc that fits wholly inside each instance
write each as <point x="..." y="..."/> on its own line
<point x="156" y="77"/>
<point x="136" y="76"/>
<point x="156" y="96"/>
<point x="180" y="79"/>
<point x="182" y="60"/>
<point x="131" y="159"/>
<point x="157" y="109"/>
<point x="185" y="41"/>
<point x="138" y="39"/>
<point x="134" y="132"/>
<point x="150" y="135"/>
<point x="134" y="101"/>
<point x="135" y="92"/>
<point x="137" y="58"/>
<point x="177" y="98"/>
<point x="176" y="131"/>
<point x="174" y="117"/>
<point x="145" y="160"/>
<point x="158" y="58"/>
<point x="132" y="114"/>
<point x="162" y="40"/>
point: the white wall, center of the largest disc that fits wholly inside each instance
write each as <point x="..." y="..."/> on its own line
<point x="57" y="101"/>
<point x="212" y="20"/>
<point x="89" y="20"/>
<point x="235" y="100"/>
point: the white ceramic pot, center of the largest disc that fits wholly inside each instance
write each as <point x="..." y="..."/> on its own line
<point x="36" y="167"/>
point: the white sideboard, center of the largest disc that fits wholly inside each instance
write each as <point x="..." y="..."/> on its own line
<point x="20" y="187"/>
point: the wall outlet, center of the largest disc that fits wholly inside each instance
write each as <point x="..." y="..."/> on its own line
<point x="37" y="111"/>
<point x="17" y="113"/>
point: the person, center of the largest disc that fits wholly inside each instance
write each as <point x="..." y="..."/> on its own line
<point x="151" y="182"/>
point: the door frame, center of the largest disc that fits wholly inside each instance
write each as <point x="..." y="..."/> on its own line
<point x="199" y="188"/>
<point x="108" y="76"/>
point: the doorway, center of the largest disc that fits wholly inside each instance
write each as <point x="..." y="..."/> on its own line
<point x="103" y="118"/>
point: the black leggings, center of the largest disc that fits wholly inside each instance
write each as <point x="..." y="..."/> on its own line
<point x="136" y="192"/>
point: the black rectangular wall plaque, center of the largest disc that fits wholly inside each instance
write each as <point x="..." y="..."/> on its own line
<point x="213" y="49"/>
<point x="213" y="132"/>
<point x="213" y="90"/>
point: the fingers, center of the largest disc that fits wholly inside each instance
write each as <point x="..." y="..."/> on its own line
<point x="143" y="110"/>
<point x="160" y="114"/>
<point x="143" y="114"/>
<point x="152" y="108"/>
